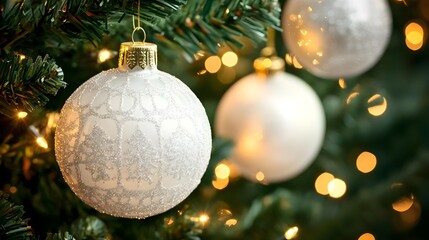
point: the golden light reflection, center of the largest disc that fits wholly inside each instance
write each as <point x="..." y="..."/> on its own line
<point x="202" y="72"/>
<point x="200" y="54"/>
<point x="213" y="64"/>
<point x="169" y="220"/>
<point x="366" y="162"/>
<point x="104" y="55"/>
<point x="22" y="115"/>
<point x="222" y="171"/>
<point x="367" y="236"/>
<point x="351" y="96"/>
<point x="41" y="141"/>
<point x="260" y="176"/>
<point x="291" y="233"/>
<point x="231" y="222"/>
<point x="289" y="59"/>
<point x="224" y="213"/>
<point x="342" y="83"/>
<point x="414" y="36"/>
<point x="220" y="183"/>
<point x="403" y="204"/>
<point x="21" y="57"/>
<point x="204" y="218"/>
<point x="337" y="188"/>
<point x="296" y="63"/>
<point x="249" y="143"/>
<point x="378" y="109"/>
<point x="321" y="183"/>
<point x="13" y="189"/>
<point x="229" y="59"/>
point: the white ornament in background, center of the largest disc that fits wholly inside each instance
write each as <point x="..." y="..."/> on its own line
<point x="277" y="124"/>
<point x="133" y="143"/>
<point x="337" y="38"/>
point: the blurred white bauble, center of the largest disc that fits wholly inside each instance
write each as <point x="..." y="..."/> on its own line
<point x="133" y="143"/>
<point x="277" y="124"/>
<point x="337" y="38"/>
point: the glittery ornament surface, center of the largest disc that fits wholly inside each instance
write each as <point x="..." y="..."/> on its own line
<point x="340" y="38"/>
<point x="277" y="124"/>
<point x="133" y="143"/>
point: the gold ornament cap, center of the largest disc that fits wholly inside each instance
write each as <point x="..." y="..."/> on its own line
<point x="138" y="54"/>
<point x="269" y="63"/>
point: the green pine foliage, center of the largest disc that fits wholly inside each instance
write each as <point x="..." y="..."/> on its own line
<point x="12" y="226"/>
<point x="71" y="31"/>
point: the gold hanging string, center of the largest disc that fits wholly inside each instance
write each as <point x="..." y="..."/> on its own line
<point x="271" y="38"/>
<point x="138" y="27"/>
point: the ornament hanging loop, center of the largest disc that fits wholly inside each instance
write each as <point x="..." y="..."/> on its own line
<point x="135" y="30"/>
<point x="138" y="27"/>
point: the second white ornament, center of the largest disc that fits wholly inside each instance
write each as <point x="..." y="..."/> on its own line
<point x="277" y="123"/>
<point x="337" y="38"/>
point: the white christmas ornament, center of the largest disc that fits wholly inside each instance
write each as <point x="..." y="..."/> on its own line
<point x="337" y="38"/>
<point x="277" y="124"/>
<point x="133" y="141"/>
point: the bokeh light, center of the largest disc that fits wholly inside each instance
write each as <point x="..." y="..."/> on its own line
<point x="342" y="83"/>
<point x="366" y="162"/>
<point x="22" y="115"/>
<point x="41" y="141"/>
<point x="379" y="109"/>
<point x="351" y="97"/>
<point x="337" y="188"/>
<point x="104" y="55"/>
<point x="291" y="233"/>
<point x="296" y="63"/>
<point x="321" y="183"/>
<point x="403" y="204"/>
<point x="222" y="171"/>
<point x="13" y="189"/>
<point x="289" y="59"/>
<point x="414" y="36"/>
<point x="231" y="222"/>
<point x="367" y="236"/>
<point x="213" y="64"/>
<point x="260" y="176"/>
<point x="229" y="59"/>
<point x="220" y="183"/>
<point x="204" y="218"/>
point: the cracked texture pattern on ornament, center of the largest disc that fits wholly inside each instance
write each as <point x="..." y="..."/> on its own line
<point x="133" y="144"/>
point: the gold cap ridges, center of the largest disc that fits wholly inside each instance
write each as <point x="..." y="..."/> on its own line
<point x="141" y="54"/>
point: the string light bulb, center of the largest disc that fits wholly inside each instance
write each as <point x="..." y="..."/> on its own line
<point x="204" y="218"/>
<point x="22" y="115"/>
<point x="291" y="233"/>
<point x="41" y="141"/>
<point x="105" y="54"/>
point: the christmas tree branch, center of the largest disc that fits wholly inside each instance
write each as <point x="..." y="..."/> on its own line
<point x="64" y="22"/>
<point x="193" y="26"/>
<point x="207" y="24"/>
<point x="26" y="83"/>
<point x="12" y="226"/>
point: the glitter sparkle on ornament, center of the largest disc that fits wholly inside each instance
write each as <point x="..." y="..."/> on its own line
<point x="133" y="141"/>
<point x="337" y="39"/>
